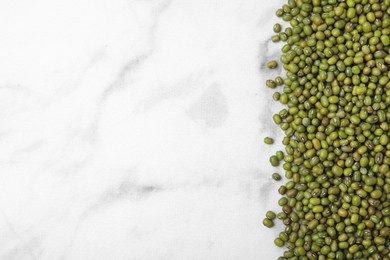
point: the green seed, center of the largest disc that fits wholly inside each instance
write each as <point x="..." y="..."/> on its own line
<point x="282" y="201"/>
<point x="268" y="222"/>
<point x="275" y="38"/>
<point x="279" y="242"/>
<point x="385" y="39"/>
<point x="385" y="232"/>
<point x="337" y="170"/>
<point x="276" y="176"/>
<point x="355" y="219"/>
<point x="270" y="83"/>
<point x="268" y="140"/>
<point x="366" y="27"/>
<point x="270" y="215"/>
<point x="376" y="194"/>
<point x="276" y="96"/>
<point x="280" y="155"/>
<point x="342" y="212"/>
<point x="379" y="240"/>
<point x="272" y="64"/>
<point x="336" y="94"/>
<point x="274" y="160"/>
<point x="277" y="119"/>
<point x="313" y="224"/>
<point x="353" y="249"/>
<point x="318" y="209"/>
<point x="293" y="68"/>
<point x="277" y="28"/>
<point x="279" y="81"/>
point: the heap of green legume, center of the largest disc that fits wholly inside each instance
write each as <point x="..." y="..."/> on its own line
<point x="336" y="202"/>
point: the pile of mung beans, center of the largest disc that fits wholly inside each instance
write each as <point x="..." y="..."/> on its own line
<point x="335" y="200"/>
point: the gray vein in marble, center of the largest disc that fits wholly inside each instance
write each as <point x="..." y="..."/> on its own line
<point x="111" y="196"/>
<point x="194" y="82"/>
<point x="161" y="8"/>
<point x="25" y="247"/>
<point x="130" y="190"/>
<point x="119" y="82"/>
<point x="12" y="105"/>
<point x="28" y="148"/>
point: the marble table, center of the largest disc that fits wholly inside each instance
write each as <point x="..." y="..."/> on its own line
<point x="132" y="129"/>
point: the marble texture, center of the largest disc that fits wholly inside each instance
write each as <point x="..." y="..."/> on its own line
<point x="132" y="129"/>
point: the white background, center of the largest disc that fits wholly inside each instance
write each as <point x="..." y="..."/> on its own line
<point x="133" y="129"/>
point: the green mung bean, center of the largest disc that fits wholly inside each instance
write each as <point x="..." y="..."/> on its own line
<point x="336" y="93"/>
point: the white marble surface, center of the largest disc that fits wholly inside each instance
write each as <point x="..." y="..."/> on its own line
<point x="132" y="129"/>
